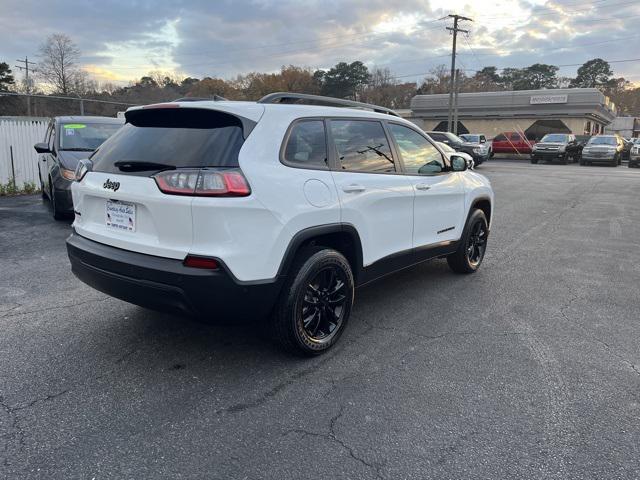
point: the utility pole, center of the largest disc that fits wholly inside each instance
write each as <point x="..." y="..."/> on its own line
<point x="455" y="30"/>
<point x="455" y="102"/>
<point x="26" y="63"/>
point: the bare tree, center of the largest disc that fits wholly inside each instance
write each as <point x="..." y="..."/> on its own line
<point x="57" y="63"/>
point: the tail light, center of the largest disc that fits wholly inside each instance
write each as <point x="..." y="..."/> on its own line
<point x="203" y="182"/>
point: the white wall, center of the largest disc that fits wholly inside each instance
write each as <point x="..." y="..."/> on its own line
<point x="19" y="135"/>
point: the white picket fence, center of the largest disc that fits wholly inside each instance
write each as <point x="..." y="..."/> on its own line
<point x="17" y="137"/>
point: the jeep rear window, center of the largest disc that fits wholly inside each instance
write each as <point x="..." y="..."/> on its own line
<point x="178" y="137"/>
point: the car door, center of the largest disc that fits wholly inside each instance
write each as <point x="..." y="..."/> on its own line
<point x="374" y="196"/>
<point x="42" y="161"/>
<point x="439" y="193"/>
<point x="51" y="156"/>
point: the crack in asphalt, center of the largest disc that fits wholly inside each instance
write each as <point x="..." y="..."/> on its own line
<point x="18" y="434"/>
<point x="48" y="309"/>
<point x="332" y="436"/>
<point x="563" y="312"/>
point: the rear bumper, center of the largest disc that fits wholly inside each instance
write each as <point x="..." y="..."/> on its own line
<point x="166" y="284"/>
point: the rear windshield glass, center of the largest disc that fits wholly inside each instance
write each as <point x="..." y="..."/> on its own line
<point x="554" y="137"/>
<point x="85" y="137"/>
<point x="471" y="138"/>
<point x="172" y="137"/>
<point x="603" y="141"/>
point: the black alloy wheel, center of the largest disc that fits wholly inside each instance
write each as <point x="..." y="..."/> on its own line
<point x="472" y="246"/>
<point x="323" y="305"/>
<point x="477" y="243"/>
<point x="315" y="302"/>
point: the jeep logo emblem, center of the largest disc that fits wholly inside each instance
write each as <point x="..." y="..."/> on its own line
<point x="111" y="185"/>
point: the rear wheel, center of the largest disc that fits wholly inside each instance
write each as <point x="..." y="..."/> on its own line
<point x="534" y="160"/>
<point x="315" y="303"/>
<point x="473" y="244"/>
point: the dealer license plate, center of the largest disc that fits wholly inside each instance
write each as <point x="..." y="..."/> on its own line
<point x="121" y="216"/>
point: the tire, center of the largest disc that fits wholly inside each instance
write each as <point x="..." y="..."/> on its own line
<point x="565" y="159"/>
<point x="582" y="162"/>
<point x="57" y="214"/>
<point x="320" y="285"/>
<point x="468" y="257"/>
<point x="534" y="160"/>
<point x="616" y="161"/>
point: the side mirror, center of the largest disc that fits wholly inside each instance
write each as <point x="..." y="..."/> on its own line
<point x="458" y="164"/>
<point x="483" y="140"/>
<point x="42" y="147"/>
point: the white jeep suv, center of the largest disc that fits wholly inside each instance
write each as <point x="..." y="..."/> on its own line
<point x="277" y="208"/>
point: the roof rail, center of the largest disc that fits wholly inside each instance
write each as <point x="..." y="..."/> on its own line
<point x="215" y="98"/>
<point x="281" y="97"/>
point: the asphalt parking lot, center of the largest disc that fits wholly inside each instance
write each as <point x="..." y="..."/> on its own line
<point x="528" y="369"/>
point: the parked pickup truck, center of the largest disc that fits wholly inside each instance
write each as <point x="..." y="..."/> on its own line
<point x="556" y="146"/>
<point x="511" y="142"/>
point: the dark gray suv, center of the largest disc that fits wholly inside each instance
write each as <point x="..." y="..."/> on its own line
<point x="69" y="139"/>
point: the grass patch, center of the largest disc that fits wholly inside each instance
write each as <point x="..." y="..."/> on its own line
<point x="11" y="189"/>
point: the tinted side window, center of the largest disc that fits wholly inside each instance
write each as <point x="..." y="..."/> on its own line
<point x="500" y="138"/>
<point x="362" y="146"/>
<point x="515" y="137"/>
<point x="307" y="145"/>
<point x="438" y="137"/>
<point x="418" y="154"/>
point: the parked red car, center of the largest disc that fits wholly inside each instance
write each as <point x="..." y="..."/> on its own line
<point x="511" y="142"/>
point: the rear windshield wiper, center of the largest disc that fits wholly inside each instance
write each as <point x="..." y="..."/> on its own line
<point x="134" y="166"/>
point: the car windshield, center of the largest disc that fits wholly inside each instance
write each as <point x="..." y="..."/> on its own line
<point x="554" y="137"/>
<point x="454" y="138"/>
<point x="603" y="141"/>
<point x="471" y="138"/>
<point x="85" y="136"/>
<point x="446" y="148"/>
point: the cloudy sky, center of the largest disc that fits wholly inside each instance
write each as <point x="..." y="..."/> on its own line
<point x="121" y="40"/>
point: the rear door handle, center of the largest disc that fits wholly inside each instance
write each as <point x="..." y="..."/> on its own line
<point x="353" y="188"/>
<point x="422" y="186"/>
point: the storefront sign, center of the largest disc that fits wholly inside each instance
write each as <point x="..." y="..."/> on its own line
<point x="541" y="99"/>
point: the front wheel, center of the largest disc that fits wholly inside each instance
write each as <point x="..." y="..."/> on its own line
<point x="315" y="303"/>
<point x="473" y="244"/>
<point x="57" y="214"/>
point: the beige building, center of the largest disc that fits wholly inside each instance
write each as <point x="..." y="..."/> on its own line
<point x="536" y="112"/>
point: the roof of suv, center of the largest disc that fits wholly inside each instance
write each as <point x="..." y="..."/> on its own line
<point x="254" y="110"/>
